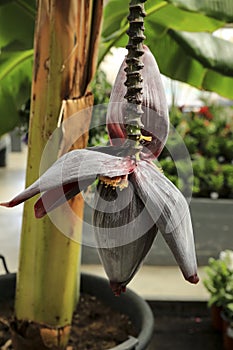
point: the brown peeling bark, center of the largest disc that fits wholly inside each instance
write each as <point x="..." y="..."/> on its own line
<point x="76" y="121"/>
<point x="76" y="117"/>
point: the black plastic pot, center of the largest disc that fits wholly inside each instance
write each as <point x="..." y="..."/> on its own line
<point x="129" y="303"/>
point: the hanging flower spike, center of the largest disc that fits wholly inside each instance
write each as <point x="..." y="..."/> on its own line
<point x="124" y="241"/>
<point x="133" y="198"/>
<point x="128" y="120"/>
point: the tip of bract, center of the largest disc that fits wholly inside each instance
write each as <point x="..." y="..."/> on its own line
<point x="193" y="279"/>
<point x="117" y="288"/>
<point x="39" y="212"/>
<point x="39" y="209"/>
<point x="6" y="204"/>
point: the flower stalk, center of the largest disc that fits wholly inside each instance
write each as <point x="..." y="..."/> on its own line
<point x="133" y="69"/>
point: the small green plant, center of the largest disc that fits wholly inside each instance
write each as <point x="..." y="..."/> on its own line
<point x="219" y="280"/>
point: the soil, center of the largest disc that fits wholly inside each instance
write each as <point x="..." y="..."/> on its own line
<point x="178" y="326"/>
<point x="95" y="326"/>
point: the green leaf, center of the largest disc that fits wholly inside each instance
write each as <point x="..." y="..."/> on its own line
<point x="160" y="17"/>
<point x="112" y="19"/>
<point x="220" y="9"/>
<point x="198" y="59"/>
<point x="174" y="62"/>
<point x="10" y="61"/>
<point x="4" y="2"/>
<point x="216" y="82"/>
<point x="17" y="24"/>
<point x="172" y="17"/>
<point x="16" y="41"/>
<point x="206" y="48"/>
<point x="15" y="83"/>
<point x="8" y="118"/>
<point x="191" y="64"/>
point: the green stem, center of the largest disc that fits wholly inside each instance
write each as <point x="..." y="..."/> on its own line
<point x="46" y="287"/>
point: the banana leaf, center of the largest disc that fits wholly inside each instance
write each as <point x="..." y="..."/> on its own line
<point x="17" y="24"/>
<point x="201" y="60"/>
<point x="16" y="55"/>
<point x="15" y="84"/>
<point x="214" y="8"/>
<point x="179" y="35"/>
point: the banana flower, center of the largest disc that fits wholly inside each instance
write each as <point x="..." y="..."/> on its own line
<point x="133" y="199"/>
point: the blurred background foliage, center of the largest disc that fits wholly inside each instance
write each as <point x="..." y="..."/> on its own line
<point x="101" y="89"/>
<point x="208" y="135"/>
